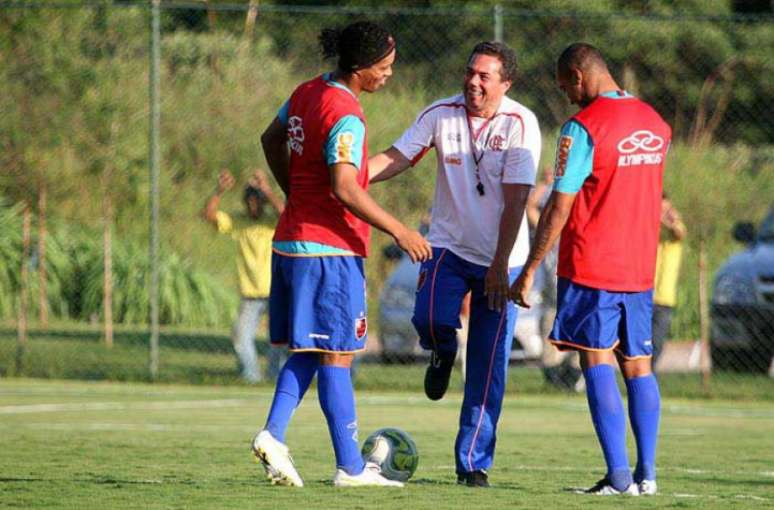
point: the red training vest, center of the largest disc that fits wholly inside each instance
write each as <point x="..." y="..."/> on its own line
<point x="313" y="213"/>
<point x="611" y="237"/>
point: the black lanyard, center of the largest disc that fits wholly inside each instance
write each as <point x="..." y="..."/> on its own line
<point x="477" y="158"/>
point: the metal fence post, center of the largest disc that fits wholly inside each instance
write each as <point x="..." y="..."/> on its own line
<point x="498" y="22"/>
<point x="154" y="188"/>
<point x="706" y="362"/>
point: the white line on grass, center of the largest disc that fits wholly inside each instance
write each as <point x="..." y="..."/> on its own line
<point x="121" y="406"/>
<point x="363" y="400"/>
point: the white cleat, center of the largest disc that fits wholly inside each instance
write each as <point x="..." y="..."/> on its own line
<point x="276" y="460"/>
<point x="371" y="476"/>
<point x="648" y="488"/>
<point x="605" y="488"/>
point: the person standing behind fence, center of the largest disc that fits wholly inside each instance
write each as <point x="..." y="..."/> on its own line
<point x="560" y="368"/>
<point x="670" y="254"/>
<point x="316" y="148"/>
<point x="606" y="205"/>
<point x="487" y="149"/>
<point x="253" y="232"/>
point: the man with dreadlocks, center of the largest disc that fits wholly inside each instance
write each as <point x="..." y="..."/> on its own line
<point x="316" y="149"/>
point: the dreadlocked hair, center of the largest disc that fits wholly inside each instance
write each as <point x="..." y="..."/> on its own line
<point x="358" y="45"/>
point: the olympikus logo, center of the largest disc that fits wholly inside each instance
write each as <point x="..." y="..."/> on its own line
<point x="644" y="141"/>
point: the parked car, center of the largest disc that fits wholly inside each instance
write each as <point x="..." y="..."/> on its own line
<point x="399" y="340"/>
<point x="742" y="309"/>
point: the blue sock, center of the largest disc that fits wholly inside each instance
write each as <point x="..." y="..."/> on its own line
<point x="609" y="419"/>
<point x="293" y="381"/>
<point x="337" y="400"/>
<point x="644" y="411"/>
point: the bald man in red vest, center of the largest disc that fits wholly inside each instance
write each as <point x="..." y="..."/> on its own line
<point x="606" y="204"/>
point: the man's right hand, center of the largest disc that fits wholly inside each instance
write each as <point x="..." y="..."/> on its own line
<point x="519" y="291"/>
<point x="225" y="181"/>
<point x="415" y="246"/>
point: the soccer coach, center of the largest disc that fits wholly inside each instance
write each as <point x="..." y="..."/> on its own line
<point x="606" y="205"/>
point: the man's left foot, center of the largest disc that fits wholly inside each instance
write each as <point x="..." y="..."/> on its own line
<point x="370" y="476"/>
<point x="474" y="478"/>
<point x="604" y="487"/>
<point x="648" y="488"/>
<point x="438" y="373"/>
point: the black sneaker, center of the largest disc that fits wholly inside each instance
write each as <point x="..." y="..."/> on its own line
<point x="437" y="374"/>
<point x="474" y="479"/>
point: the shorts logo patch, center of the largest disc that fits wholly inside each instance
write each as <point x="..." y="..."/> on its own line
<point x="562" y="154"/>
<point x="344" y="143"/>
<point x="361" y="327"/>
<point x="422" y="279"/>
<point x="452" y="160"/>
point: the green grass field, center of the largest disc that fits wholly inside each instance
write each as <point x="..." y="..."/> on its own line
<point x="120" y="445"/>
<point x="208" y="359"/>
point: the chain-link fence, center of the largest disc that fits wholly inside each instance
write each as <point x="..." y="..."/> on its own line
<point x="75" y="270"/>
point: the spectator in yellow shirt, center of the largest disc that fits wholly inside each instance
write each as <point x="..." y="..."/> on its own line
<point x="670" y="254"/>
<point x="253" y="231"/>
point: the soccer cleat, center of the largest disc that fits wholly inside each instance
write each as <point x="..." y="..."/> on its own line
<point x="605" y="488"/>
<point x="474" y="479"/>
<point x="437" y="374"/>
<point x="371" y="476"/>
<point x="276" y="460"/>
<point x="648" y="488"/>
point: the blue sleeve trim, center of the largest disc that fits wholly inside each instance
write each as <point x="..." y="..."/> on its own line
<point x="282" y="114"/>
<point x="345" y="142"/>
<point x="574" y="158"/>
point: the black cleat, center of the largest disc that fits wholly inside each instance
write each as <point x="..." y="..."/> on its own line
<point x="474" y="479"/>
<point x="437" y="374"/>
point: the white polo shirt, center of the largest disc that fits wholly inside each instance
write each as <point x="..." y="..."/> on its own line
<point x="507" y="148"/>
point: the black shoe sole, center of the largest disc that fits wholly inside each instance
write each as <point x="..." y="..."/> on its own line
<point x="437" y="378"/>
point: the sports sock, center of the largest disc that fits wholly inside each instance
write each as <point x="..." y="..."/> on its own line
<point x="337" y="400"/>
<point x="609" y="419"/>
<point x="644" y="411"/>
<point x="293" y="381"/>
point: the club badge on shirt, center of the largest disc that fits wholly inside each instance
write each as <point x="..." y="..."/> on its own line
<point x="344" y="143"/>
<point x="562" y="154"/>
<point x="497" y="143"/>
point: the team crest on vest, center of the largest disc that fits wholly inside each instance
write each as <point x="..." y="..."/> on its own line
<point x="296" y="134"/>
<point x="562" y="154"/>
<point x="361" y="327"/>
<point x="642" y="147"/>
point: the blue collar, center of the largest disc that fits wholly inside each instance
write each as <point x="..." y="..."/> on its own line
<point x="328" y="77"/>
<point x="616" y="94"/>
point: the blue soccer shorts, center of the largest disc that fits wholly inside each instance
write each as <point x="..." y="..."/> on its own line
<point x="318" y="304"/>
<point x="590" y="319"/>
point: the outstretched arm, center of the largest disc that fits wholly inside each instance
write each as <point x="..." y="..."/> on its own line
<point x="361" y="204"/>
<point x="274" y="141"/>
<point x="387" y="165"/>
